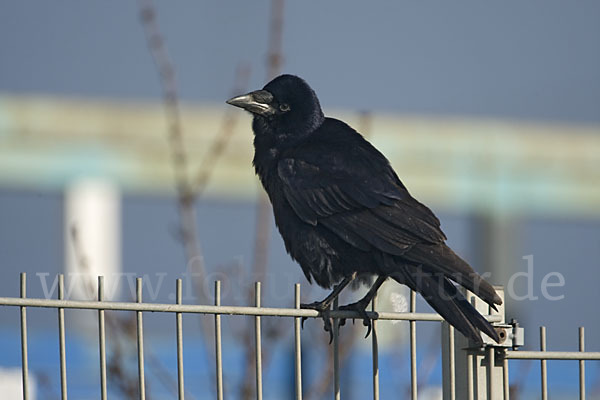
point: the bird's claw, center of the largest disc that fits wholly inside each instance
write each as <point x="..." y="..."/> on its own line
<point x="324" y="313"/>
<point x="361" y="309"/>
<point x="328" y="326"/>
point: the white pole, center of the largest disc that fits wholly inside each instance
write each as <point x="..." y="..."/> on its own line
<point x="92" y="238"/>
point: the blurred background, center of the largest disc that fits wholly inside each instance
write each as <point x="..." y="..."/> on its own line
<point x="119" y="157"/>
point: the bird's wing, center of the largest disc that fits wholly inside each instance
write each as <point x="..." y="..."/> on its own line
<point x="358" y="197"/>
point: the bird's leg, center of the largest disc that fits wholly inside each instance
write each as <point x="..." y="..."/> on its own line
<point x="326" y="302"/>
<point x="323" y="306"/>
<point x="361" y="305"/>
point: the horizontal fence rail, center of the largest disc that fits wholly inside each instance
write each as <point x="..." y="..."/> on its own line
<point x="221" y="310"/>
<point x="552" y="355"/>
<point x="468" y="372"/>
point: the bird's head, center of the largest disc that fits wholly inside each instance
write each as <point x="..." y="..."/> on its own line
<point x="286" y="105"/>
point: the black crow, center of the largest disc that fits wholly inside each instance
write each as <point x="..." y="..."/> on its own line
<point x="344" y="214"/>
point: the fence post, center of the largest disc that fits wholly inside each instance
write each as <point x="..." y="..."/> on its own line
<point x="471" y="378"/>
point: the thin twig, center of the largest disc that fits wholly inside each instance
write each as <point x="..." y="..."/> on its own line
<point x="263" y="220"/>
<point x="166" y="71"/>
<point x="263" y="217"/>
<point x="365" y="123"/>
<point x="221" y="140"/>
<point x="185" y="193"/>
<point x="124" y="381"/>
<point x="275" y="54"/>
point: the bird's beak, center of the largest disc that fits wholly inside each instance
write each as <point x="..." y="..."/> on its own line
<point x="257" y="102"/>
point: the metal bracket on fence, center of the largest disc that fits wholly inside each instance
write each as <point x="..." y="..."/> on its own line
<point x="512" y="336"/>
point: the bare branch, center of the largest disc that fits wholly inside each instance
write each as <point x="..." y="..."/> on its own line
<point x="166" y="71"/>
<point x="185" y="195"/>
<point x="225" y="133"/>
<point x="263" y="217"/>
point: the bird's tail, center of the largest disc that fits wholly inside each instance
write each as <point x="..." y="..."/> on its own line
<point x="440" y="258"/>
<point x="444" y="297"/>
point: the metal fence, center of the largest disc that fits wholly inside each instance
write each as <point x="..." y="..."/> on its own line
<point x="468" y="373"/>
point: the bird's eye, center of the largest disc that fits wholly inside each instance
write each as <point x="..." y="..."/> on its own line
<point x="284" y="107"/>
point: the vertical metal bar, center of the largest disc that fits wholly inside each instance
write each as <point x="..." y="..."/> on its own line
<point x="24" y="361"/>
<point x="218" y="354"/>
<point x="297" y="344"/>
<point x="452" y="362"/>
<point x="140" y="341"/>
<point x="102" y="340"/>
<point x="336" y="355"/>
<point x="375" y="350"/>
<point x="413" y="347"/>
<point x="258" y="346"/>
<point x="179" y="329"/>
<point x="61" y="339"/>
<point x="581" y="364"/>
<point x="491" y="364"/>
<point x="470" y="394"/>
<point x="543" y="363"/>
<point x="506" y="384"/>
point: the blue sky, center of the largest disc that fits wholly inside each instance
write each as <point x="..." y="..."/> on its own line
<point x="536" y="60"/>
